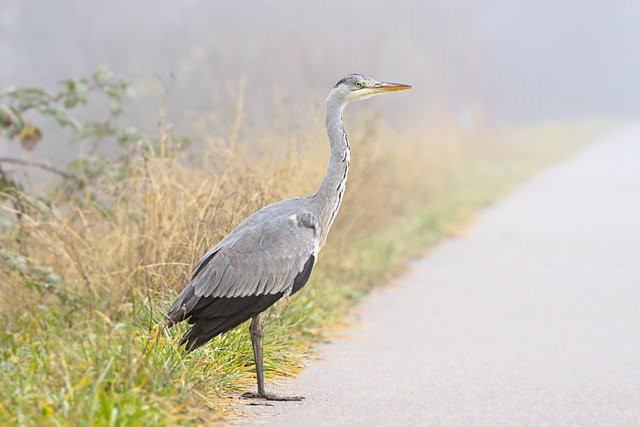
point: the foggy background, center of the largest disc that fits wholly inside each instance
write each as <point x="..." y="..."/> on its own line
<point x="518" y="61"/>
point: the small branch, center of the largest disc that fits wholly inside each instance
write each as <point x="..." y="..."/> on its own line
<point x="51" y="99"/>
<point x="238" y="115"/>
<point x="17" y="205"/>
<point x="41" y="166"/>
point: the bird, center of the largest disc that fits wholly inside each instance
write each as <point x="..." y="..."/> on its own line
<point x="272" y="252"/>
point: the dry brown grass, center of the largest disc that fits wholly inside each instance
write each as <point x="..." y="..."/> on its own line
<point x="141" y="235"/>
<point x="121" y="247"/>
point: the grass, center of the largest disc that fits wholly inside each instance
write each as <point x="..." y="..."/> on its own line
<point x="86" y="278"/>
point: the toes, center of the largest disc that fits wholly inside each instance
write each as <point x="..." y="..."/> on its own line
<point x="250" y="395"/>
<point x="283" y="398"/>
<point x="269" y="396"/>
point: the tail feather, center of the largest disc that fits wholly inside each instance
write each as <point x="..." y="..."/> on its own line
<point x="221" y="315"/>
<point x="183" y="306"/>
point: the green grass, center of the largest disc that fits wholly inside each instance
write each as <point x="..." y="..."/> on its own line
<point x="61" y="365"/>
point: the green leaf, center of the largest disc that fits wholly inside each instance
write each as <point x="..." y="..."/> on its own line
<point x="70" y="101"/>
<point x="102" y="76"/>
<point x="62" y="117"/>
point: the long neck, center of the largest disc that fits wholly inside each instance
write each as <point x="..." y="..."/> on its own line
<point x="329" y="195"/>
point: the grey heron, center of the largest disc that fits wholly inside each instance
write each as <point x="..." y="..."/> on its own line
<point x="272" y="252"/>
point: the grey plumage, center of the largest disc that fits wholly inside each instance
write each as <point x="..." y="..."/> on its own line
<point x="271" y="253"/>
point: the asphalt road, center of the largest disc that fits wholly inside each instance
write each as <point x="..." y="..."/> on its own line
<point x="531" y="317"/>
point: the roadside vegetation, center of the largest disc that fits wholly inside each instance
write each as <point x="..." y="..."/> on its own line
<point x="89" y="265"/>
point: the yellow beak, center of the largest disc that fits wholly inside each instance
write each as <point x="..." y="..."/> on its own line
<point x="391" y="87"/>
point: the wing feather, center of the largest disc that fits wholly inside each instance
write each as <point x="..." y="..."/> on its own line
<point x="261" y="259"/>
<point x="265" y="257"/>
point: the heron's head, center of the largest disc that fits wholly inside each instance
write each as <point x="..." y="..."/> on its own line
<point x="356" y="87"/>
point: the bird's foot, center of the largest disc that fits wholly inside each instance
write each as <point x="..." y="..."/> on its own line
<point x="270" y="396"/>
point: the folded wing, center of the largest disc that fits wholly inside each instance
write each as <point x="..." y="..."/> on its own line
<point x="245" y="273"/>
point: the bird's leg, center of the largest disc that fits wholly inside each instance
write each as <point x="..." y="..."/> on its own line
<point x="256" y="340"/>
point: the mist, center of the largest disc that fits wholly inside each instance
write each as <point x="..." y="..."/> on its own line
<point x="166" y="161"/>
<point x="517" y="60"/>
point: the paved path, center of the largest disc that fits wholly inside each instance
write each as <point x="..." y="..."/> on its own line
<point x="532" y="317"/>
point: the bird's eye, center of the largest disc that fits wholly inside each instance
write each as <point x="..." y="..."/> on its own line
<point x="360" y="85"/>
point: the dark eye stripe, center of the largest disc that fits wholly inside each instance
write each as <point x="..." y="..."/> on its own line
<point x="343" y="80"/>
